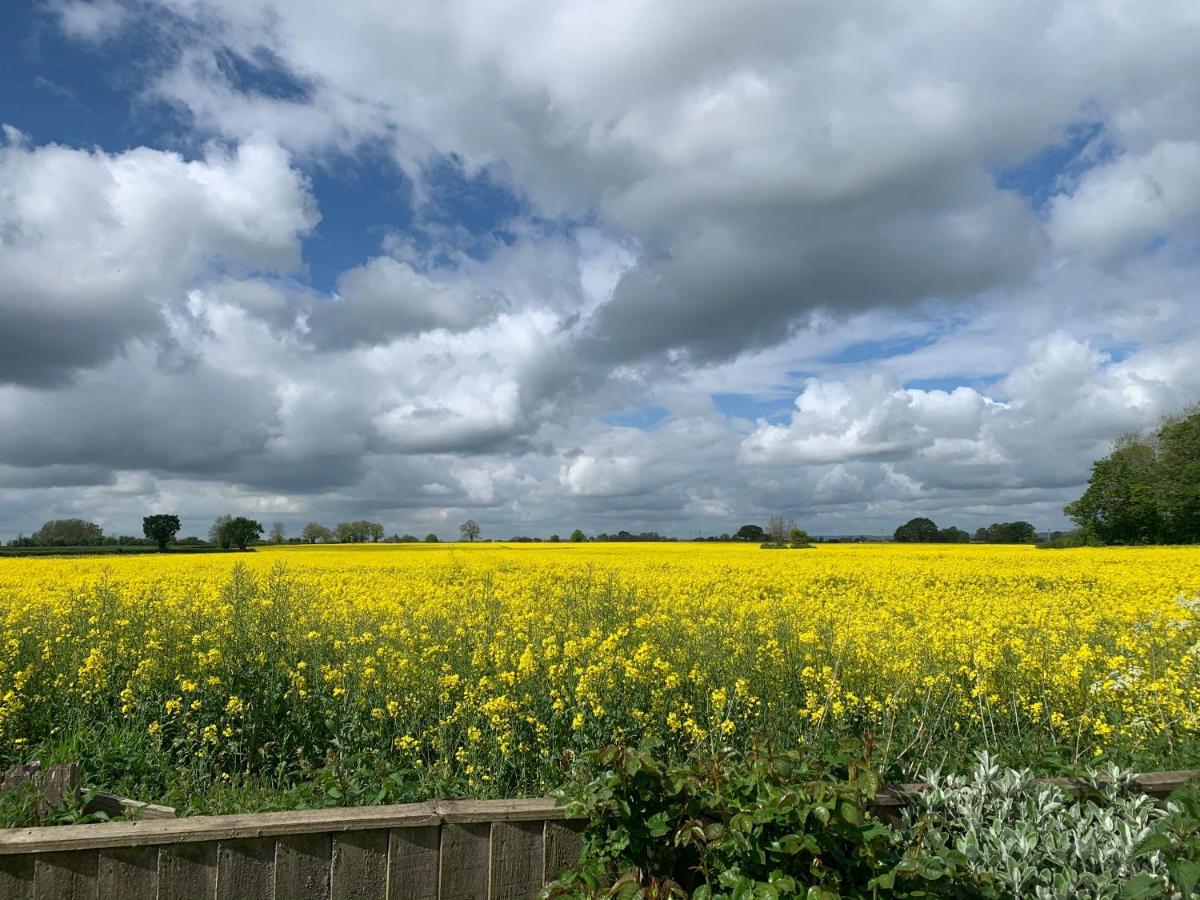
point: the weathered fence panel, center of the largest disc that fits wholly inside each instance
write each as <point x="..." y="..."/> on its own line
<point x="449" y="850"/>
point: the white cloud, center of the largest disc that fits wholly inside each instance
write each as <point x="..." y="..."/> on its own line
<point x="105" y="242"/>
<point x="385" y="299"/>
<point x="1124" y="205"/>
<point x="1059" y="409"/>
<point x="92" y="21"/>
<point x="765" y="201"/>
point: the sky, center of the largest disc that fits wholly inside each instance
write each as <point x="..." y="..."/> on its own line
<point x="610" y="265"/>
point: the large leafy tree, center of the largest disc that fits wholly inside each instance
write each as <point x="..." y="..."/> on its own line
<point x="1007" y="533"/>
<point x="1122" y="502"/>
<point x="217" y="534"/>
<point x="918" y="531"/>
<point x="68" y="533"/>
<point x="750" y="533"/>
<point x="239" y="532"/>
<point x="953" y="535"/>
<point x="315" y="531"/>
<point x="1179" y="478"/>
<point x="161" y="529"/>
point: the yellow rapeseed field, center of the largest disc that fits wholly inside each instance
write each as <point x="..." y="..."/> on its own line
<point x="487" y="668"/>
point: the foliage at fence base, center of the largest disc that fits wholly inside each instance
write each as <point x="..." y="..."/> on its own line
<point x="768" y="824"/>
<point x="763" y="824"/>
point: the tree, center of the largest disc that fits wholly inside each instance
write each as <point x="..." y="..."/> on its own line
<point x="315" y="531"/>
<point x="954" y="535"/>
<point x="1178" y="480"/>
<point x="778" y="529"/>
<point x="372" y="531"/>
<point x="470" y="530"/>
<point x="240" y="532"/>
<point x="1007" y="533"/>
<point x="431" y="538"/>
<point x="750" y="533"/>
<point x="278" y="533"/>
<point x="345" y="533"/>
<point x="161" y="529"/>
<point x="1121" y="502"/>
<point x="577" y="536"/>
<point x="799" y="538"/>
<point x="917" y="531"/>
<point x="1147" y="490"/>
<point x="218" y="534"/>
<point x="68" y="533"/>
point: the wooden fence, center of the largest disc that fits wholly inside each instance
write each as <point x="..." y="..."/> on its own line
<point x="443" y="850"/>
<point x="450" y="850"/>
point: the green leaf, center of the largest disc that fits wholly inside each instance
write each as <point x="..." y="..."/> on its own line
<point x="1141" y="885"/>
<point x="851" y="813"/>
<point x="1155" y="842"/>
<point x="657" y="825"/>
<point x="1185" y="873"/>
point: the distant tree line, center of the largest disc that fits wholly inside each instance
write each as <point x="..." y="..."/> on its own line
<point x="1147" y="490"/>
<point x="925" y="531"/>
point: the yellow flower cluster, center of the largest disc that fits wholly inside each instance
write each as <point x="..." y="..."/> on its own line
<point x="497" y="664"/>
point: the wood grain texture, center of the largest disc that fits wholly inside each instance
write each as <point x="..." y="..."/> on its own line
<point x="16" y="877"/>
<point x="515" y="870"/>
<point x="115" y="806"/>
<point x="188" y="870"/>
<point x="302" y="866"/>
<point x="524" y="809"/>
<point x="562" y="848"/>
<point x="65" y="876"/>
<point x="128" y="873"/>
<point x="246" y="869"/>
<point x="59" y="785"/>
<point x="463" y="862"/>
<point x="360" y="865"/>
<point x="216" y="828"/>
<point x="413" y="863"/>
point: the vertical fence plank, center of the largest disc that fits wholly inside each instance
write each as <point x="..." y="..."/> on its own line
<point x="463" y="866"/>
<point x="516" y="860"/>
<point x="562" y="849"/>
<point x="360" y="865"/>
<point x="70" y="875"/>
<point x="413" y="863"/>
<point x="245" y="868"/>
<point x="302" y="867"/>
<point x="16" y="877"/>
<point x="59" y="786"/>
<point x="128" y="873"/>
<point x="188" y="870"/>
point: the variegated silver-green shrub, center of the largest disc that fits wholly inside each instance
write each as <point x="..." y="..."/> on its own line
<point x="1037" y="841"/>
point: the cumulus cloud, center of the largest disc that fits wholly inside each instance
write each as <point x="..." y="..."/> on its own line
<point x="94" y="246"/>
<point x="792" y="235"/>
<point x="385" y="299"/>
<point x="1064" y="395"/>
<point x="767" y="163"/>
<point x="1126" y="204"/>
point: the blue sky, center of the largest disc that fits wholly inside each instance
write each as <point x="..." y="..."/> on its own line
<point x="432" y="263"/>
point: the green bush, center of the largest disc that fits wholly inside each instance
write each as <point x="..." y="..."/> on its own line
<point x="762" y="825"/>
<point x="779" y="824"/>
<point x="1031" y="839"/>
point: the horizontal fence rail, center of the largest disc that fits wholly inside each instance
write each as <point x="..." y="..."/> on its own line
<point x="442" y="850"/>
<point x="473" y="850"/>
